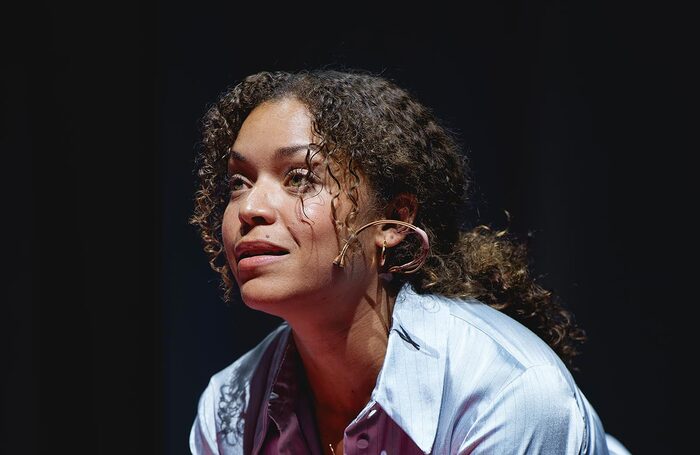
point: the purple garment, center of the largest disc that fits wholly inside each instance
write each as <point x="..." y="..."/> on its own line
<point x="292" y="427"/>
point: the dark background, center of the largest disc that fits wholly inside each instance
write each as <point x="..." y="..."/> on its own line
<point x="571" y="114"/>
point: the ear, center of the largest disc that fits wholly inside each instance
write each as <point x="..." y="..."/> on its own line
<point x="403" y="207"/>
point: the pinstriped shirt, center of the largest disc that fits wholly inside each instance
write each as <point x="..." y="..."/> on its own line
<point x="458" y="377"/>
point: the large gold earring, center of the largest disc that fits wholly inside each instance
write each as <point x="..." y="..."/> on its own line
<point x="409" y="267"/>
<point x="382" y="258"/>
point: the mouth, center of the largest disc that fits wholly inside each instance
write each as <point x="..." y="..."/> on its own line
<point x="251" y="261"/>
<point x="249" y="254"/>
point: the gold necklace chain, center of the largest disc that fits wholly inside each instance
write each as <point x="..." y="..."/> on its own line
<point x="331" y="446"/>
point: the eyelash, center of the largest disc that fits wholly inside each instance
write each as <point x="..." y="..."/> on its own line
<point x="308" y="181"/>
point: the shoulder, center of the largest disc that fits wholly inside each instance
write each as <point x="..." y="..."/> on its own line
<point x="230" y="394"/>
<point x="473" y="337"/>
<point x="485" y="339"/>
<point x="501" y="374"/>
<point x="474" y="324"/>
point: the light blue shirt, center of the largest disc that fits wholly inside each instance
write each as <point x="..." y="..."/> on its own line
<point x="459" y="377"/>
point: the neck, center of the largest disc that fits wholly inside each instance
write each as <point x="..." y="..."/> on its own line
<point x="342" y="357"/>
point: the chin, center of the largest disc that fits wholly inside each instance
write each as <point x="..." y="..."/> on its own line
<point x="263" y="296"/>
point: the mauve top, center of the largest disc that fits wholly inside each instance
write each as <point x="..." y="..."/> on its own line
<point x="458" y="377"/>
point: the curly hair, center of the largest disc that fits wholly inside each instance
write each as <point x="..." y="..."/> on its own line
<point x="373" y="129"/>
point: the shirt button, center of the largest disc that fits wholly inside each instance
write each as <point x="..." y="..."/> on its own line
<point x="362" y="442"/>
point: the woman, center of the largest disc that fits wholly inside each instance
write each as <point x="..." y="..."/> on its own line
<point x="332" y="200"/>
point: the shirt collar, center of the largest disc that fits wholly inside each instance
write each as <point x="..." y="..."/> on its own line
<point x="288" y="379"/>
<point x="278" y="363"/>
<point x="410" y="389"/>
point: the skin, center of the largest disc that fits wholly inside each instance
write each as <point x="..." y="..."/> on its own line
<point x="338" y="316"/>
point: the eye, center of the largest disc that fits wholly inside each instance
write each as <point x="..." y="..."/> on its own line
<point x="235" y="183"/>
<point x="300" y="179"/>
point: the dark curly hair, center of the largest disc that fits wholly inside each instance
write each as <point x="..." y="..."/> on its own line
<point x="373" y="129"/>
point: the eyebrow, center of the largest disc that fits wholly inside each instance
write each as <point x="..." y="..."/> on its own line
<point x="280" y="153"/>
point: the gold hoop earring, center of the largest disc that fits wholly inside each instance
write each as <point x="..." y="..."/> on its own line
<point x="382" y="257"/>
<point x="409" y="267"/>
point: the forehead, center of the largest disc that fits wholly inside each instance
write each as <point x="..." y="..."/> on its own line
<point x="272" y="126"/>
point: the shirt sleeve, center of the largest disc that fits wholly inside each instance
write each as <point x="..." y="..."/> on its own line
<point x="203" y="432"/>
<point x="534" y="413"/>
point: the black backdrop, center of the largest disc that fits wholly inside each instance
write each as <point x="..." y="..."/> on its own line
<point x="113" y="321"/>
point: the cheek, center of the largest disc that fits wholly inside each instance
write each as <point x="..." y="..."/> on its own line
<point x="313" y="224"/>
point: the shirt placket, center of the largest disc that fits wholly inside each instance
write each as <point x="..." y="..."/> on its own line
<point x="362" y="434"/>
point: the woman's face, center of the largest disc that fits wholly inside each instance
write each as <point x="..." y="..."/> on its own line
<point x="293" y="261"/>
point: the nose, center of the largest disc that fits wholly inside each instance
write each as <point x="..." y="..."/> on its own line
<point x="257" y="207"/>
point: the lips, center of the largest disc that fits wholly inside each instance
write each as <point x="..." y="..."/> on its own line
<point x="250" y="248"/>
<point x="262" y="253"/>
